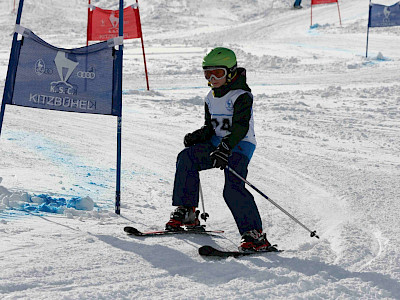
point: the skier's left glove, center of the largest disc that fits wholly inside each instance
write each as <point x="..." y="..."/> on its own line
<point x="220" y="156"/>
<point x="198" y="136"/>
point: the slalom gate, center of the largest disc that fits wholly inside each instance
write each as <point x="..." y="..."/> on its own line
<point x="82" y="80"/>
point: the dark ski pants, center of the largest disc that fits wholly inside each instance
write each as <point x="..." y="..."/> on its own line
<point x="240" y="201"/>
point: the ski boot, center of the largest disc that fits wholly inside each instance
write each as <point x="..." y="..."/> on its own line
<point x="254" y="240"/>
<point x="184" y="217"/>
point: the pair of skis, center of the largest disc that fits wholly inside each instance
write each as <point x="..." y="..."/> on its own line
<point x="204" y="250"/>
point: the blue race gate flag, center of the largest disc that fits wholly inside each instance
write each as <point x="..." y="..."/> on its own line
<point x="384" y="16"/>
<point x="85" y="80"/>
<point x="75" y="80"/>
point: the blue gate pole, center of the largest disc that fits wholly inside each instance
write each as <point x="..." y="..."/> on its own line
<point x="8" y="89"/>
<point x="369" y="23"/>
<point x="119" y="99"/>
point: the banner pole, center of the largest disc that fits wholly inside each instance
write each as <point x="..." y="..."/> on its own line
<point x="369" y="23"/>
<point x="366" y="51"/>
<point x="144" y="56"/>
<point x="118" y="184"/>
<point x="7" y="88"/>
<point x="311" y="12"/>
<point x="340" y="19"/>
<point x="119" y="99"/>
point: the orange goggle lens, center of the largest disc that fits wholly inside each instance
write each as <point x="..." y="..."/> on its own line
<point x="217" y="73"/>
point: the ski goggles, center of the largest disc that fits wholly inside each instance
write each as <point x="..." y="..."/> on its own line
<point x="217" y="73"/>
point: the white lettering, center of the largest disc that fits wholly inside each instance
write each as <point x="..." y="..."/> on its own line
<point x="33" y="98"/>
<point x="57" y="101"/>
<point x="50" y="100"/>
<point x="74" y="103"/>
<point x="91" y="105"/>
<point x="66" y="102"/>
<point x="42" y="99"/>
<point x="82" y="104"/>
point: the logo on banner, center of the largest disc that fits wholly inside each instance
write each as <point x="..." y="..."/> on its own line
<point x="384" y="16"/>
<point x="86" y="75"/>
<point x="114" y="21"/>
<point x="40" y="68"/>
<point x="65" y="67"/>
<point x="386" y="13"/>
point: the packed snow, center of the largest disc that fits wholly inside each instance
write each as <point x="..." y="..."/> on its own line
<point x="328" y="132"/>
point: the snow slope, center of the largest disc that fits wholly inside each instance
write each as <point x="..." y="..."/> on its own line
<point x="327" y="125"/>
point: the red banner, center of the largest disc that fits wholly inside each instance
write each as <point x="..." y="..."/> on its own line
<point x="103" y="24"/>
<point x="315" y="2"/>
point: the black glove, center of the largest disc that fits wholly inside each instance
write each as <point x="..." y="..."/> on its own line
<point x="220" y="156"/>
<point x="190" y="139"/>
<point x="198" y="136"/>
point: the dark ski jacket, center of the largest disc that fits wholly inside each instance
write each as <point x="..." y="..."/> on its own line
<point x="242" y="110"/>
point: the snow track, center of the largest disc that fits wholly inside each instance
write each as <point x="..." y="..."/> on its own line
<point x="327" y="127"/>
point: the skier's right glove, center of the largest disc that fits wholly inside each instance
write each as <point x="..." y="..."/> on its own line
<point x="220" y="156"/>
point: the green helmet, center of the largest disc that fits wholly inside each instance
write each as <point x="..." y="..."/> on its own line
<point x="221" y="57"/>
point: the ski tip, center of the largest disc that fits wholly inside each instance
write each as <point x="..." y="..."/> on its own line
<point x="206" y="250"/>
<point x="132" y="230"/>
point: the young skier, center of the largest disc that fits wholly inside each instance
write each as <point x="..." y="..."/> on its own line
<point x="226" y="139"/>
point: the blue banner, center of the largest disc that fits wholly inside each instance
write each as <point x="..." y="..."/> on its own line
<point x="384" y="16"/>
<point x="76" y="80"/>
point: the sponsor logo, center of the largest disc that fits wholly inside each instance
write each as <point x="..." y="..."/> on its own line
<point x="86" y="75"/>
<point x="65" y="67"/>
<point x="386" y="13"/>
<point x="40" y="68"/>
<point x="114" y="20"/>
<point x="229" y="105"/>
<point x="63" y="62"/>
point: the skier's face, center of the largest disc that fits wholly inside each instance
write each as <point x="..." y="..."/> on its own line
<point x="216" y="83"/>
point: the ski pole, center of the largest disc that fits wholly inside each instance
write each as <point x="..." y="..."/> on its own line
<point x="312" y="233"/>
<point x="204" y="215"/>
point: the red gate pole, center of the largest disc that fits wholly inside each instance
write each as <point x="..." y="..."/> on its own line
<point x="144" y="56"/>
<point x="311" y="12"/>
<point x="340" y="19"/>
<point x="87" y="30"/>
<point x="145" y="66"/>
